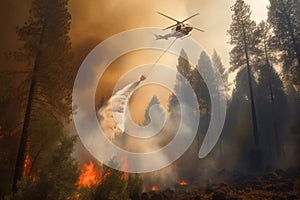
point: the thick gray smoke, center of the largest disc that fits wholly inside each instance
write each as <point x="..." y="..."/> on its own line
<point x="114" y="119"/>
<point x="112" y="116"/>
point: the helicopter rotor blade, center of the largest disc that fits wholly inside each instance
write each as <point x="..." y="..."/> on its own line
<point x="168" y="17"/>
<point x="198" y="29"/>
<point x="170" y="27"/>
<point x="190" y="17"/>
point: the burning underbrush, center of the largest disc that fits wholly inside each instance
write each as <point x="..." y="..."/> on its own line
<point x="280" y="184"/>
<point x="90" y="175"/>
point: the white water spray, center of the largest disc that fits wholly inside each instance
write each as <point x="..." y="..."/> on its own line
<point x="113" y="114"/>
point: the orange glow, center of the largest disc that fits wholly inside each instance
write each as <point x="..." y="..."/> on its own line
<point x="125" y="167"/>
<point x="27" y="164"/>
<point x="90" y="175"/>
<point x="182" y="183"/>
<point x="154" y="188"/>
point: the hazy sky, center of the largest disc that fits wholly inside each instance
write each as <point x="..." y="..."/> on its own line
<point x="97" y="20"/>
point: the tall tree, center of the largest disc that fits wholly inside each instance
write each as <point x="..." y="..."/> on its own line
<point x="46" y="50"/>
<point x="271" y="96"/>
<point x="219" y="67"/>
<point x="272" y="114"/>
<point x="241" y="37"/>
<point x="268" y="80"/>
<point x="217" y="62"/>
<point x="152" y="102"/>
<point x="201" y="90"/>
<point x="238" y="128"/>
<point x="184" y="69"/>
<point x="284" y="17"/>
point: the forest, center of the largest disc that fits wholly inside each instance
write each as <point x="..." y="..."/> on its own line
<point x="256" y="156"/>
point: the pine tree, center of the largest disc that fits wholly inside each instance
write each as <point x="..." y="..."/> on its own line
<point x="244" y="42"/>
<point x="201" y="90"/>
<point x="272" y="114"/>
<point x="271" y="97"/>
<point x="219" y="67"/>
<point x="183" y="68"/>
<point x="268" y="82"/>
<point x="284" y="17"/>
<point x="217" y="62"/>
<point x="153" y="101"/>
<point x="238" y="127"/>
<point x="46" y="51"/>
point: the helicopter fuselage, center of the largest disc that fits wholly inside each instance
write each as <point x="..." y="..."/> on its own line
<point x="177" y="34"/>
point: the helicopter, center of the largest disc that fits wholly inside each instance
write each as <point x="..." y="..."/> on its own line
<point x="179" y="29"/>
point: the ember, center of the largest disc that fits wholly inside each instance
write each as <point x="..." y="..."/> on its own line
<point x="27" y="163"/>
<point x="154" y="188"/>
<point x="182" y="183"/>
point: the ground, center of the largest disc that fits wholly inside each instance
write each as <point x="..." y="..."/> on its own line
<point x="277" y="185"/>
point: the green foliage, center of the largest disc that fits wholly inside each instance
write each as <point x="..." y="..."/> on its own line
<point x="48" y="47"/>
<point x="57" y="180"/>
<point x="113" y="187"/>
<point x="45" y="68"/>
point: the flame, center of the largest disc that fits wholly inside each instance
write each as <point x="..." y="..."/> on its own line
<point x="182" y="183"/>
<point x="90" y="175"/>
<point x="154" y="188"/>
<point x="125" y="167"/>
<point x="27" y="164"/>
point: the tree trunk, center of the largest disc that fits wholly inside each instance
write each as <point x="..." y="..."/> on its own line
<point x="277" y="142"/>
<point x="24" y="135"/>
<point x="253" y="111"/>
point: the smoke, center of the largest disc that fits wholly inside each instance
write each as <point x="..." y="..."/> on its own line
<point x="13" y="14"/>
<point x="116" y="107"/>
<point x="94" y="21"/>
<point x="114" y="118"/>
<point x="113" y="115"/>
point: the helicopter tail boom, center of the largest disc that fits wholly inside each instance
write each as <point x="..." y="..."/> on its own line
<point x="159" y="37"/>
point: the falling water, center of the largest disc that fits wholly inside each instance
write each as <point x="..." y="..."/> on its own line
<point x="113" y="113"/>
